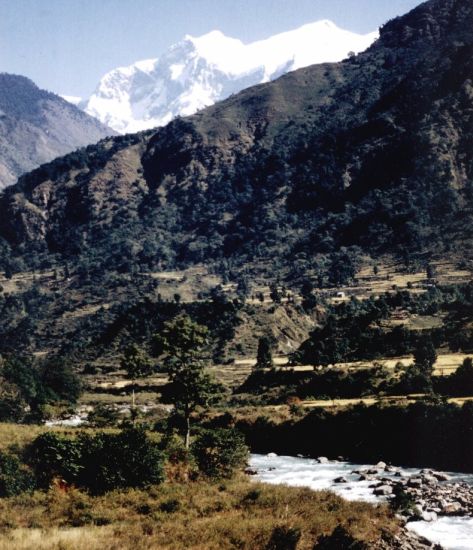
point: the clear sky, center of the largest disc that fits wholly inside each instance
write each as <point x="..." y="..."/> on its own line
<point x="66" y="46"/>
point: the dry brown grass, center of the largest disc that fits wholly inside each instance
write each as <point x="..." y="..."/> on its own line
<point x="18" y="435"/>
<point x="210" y="516"/>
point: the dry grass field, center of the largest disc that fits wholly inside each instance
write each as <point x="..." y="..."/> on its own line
<point x="202" y="516"/>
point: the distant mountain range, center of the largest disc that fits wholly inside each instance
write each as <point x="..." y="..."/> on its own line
<point x="197" y="72"/>
<point x="37" y="126"/>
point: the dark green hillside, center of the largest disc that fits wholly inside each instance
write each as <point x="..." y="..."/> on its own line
<point x="374" y="152"/>
<point x="370" y="156"/>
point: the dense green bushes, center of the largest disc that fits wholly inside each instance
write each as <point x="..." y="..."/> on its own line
<point x="98" y="463"/>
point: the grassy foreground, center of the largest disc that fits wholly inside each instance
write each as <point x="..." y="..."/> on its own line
<point x="199" y="515"/>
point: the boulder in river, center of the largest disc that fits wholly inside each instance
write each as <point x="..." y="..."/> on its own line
<point x="441" y="476"/>
<point x="340" y="479"/>
<point x="323" y="460"/>
<point x="384" y="490"/>
<point x="415" y="482"/>
<point x="429" y="516"/>
<point x="452" y="508"/>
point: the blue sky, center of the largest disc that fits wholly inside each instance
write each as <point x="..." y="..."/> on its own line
<point x="67" y="45"/>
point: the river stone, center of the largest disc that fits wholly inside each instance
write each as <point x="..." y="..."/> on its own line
<point x="340" y="480"/>
<point x="323" y="460"/>
<point x="271" y="455"/>
<point x="452" y="508"/>
<point x="364" y="477"/>
<point x="384" y="490"/>
<point x="381" y="465"/>
<point x="430" y="479"/>
<point x="441" y="476"/>
<point x="429" y="516"/>
<point x="415" y="482"/>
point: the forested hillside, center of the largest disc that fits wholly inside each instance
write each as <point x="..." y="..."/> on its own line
<point x="305" y="175"/>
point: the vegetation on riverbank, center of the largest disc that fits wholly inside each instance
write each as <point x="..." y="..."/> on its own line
<point x="424" y="434"/>
<point x="202" y="502"/>
<point x="196" y="515"/>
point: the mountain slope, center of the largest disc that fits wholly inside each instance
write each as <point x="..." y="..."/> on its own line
<point x="37" y="126"/>
<point x="374" y="153"/>
<point x="198" y="72"/>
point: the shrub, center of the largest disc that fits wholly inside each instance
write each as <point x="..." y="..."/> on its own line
<point x="170" y="506"/>
<point x="12" y="407"/>
<point x="55" y="456"/>
<point x="15" y="478"/>
<point x="284" y="538"/>
<point x="126" y="459"/>
<point x="402" y="501"/>
<point x="219" y="453"/>
<point x="99" y="463"/>
<point x="340" y="539"/>
<point x="103" y="415"/>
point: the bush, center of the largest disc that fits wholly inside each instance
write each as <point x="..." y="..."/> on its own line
<point x="99" y="463"/>
<point x="284" y="538"/>
<point x="102" y="416"/>
<point x="55" y="456"/>
<point x="402" y="501"/>
<point x="12" y="407"/>
<point x="126" y="459"/>
<point x="15" y="478"/>
<point x="219" y="453"/>
<point x="170" y="506"/>
<point x="340" y="539"/>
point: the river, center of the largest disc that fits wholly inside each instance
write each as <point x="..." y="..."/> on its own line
<point x="452" y="532"/>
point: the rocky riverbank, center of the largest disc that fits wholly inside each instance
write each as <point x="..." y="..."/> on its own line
<point x="426" y="495"/>
<point x="420" y="496"/>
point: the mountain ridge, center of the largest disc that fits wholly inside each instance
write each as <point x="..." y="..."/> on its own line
<point x="37" y="126"/>
<point x="372" y="154"/>
<point x="198" y="71"/>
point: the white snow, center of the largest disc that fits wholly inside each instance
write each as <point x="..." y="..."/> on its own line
<point x="198" y="71"/>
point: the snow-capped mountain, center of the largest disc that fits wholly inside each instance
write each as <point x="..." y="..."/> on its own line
<point x="197" y="72"/>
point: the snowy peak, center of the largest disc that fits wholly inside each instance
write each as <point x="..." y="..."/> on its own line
<point x="198" y="71"/>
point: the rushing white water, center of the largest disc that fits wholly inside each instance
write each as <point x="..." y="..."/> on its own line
<point x="453" y="533"/>
<point x="72" y="421"/>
